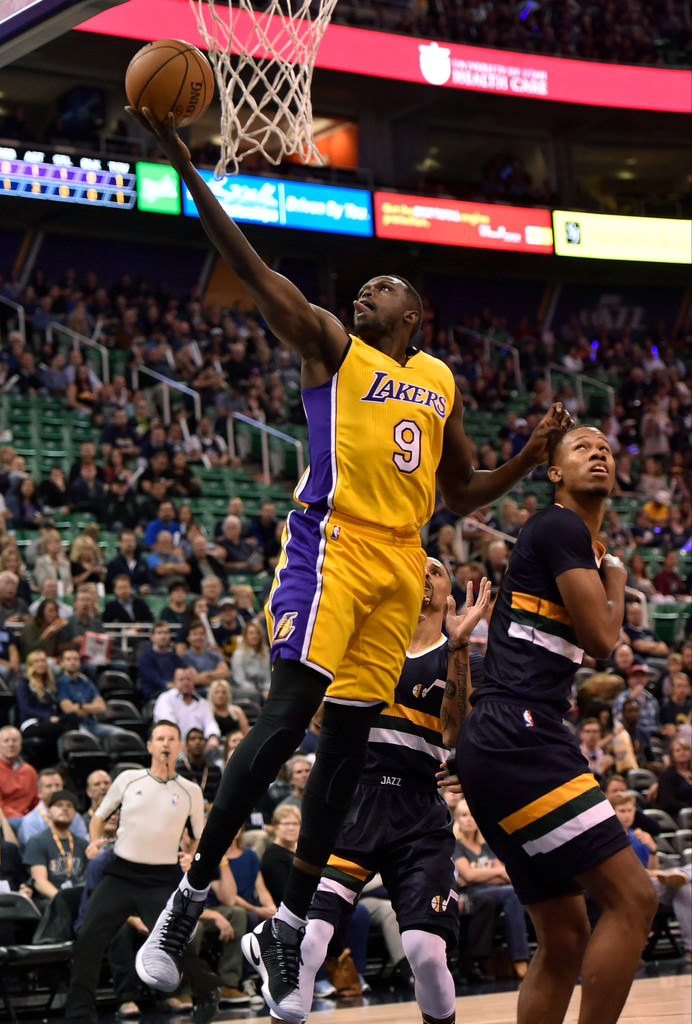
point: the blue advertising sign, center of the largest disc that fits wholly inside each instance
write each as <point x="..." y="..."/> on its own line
<point x="289" y="204"/>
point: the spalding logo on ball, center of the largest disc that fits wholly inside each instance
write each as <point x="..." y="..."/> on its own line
<point x="170" y="76"/>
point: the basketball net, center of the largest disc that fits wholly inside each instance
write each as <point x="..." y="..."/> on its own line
<point x="264" y="89"/>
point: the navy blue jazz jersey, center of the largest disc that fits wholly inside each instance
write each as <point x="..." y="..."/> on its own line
<point x="405" y="741"/>
<point x="533" y="651"/>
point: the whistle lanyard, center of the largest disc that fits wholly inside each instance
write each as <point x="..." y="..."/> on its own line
<point x="70" y="843"/>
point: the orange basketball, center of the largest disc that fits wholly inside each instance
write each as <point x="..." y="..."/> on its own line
<point x="170" y="75"/>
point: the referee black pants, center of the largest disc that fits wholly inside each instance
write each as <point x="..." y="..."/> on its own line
<point x="111" y="903"/>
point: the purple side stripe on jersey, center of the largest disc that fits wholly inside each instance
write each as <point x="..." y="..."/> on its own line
<point x="319" y="482"/>
<point x="295" y="598"/>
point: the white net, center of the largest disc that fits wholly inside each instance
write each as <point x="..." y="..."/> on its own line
<point x="265" y="88"/>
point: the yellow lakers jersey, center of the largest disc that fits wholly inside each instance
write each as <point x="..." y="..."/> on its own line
<point x="375" y="436"/>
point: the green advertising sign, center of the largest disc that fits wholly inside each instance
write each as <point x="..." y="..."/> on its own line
<point x="158" y="188"/>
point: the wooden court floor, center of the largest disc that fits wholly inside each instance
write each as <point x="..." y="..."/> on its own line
<point x="666" y="1000"/>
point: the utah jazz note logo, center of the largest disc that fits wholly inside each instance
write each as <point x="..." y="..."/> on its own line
<point x="440" y="905"/>
<point x="285" y="627"/>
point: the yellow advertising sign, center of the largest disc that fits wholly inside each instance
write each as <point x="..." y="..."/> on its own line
<point x="602" y="236"/>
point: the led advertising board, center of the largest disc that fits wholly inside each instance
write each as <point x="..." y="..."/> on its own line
<point x="604" y="236"/>
<point x="409" y="59"/>
<point x="289" y="204"/>
<point x="65" y="178"/>
<point x="158" y="188"/>
<point x="450" y="222"/>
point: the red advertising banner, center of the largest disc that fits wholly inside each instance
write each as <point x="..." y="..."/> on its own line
<point x="408" y="59"/>
<point x="449" y="222"/>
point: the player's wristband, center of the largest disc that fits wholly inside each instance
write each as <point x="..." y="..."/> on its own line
<point x="451" y="764"/>
<point x="459" y="647"/>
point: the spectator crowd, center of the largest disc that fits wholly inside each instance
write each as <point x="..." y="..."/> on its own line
<point x="167" y="625"/>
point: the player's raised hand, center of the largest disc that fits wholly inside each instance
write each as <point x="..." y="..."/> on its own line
<point x="164" y="132"/>
<point x="460" y="627"/>
<point x="556" y="421"/>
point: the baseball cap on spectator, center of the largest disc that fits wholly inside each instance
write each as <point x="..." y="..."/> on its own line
<point x="227" y="601"/>
<point x="637" y="667"/>
<point x="122" y="478"/>
<point x="62" y="794"/>
<point x="662" y="497"/>
<point x="521" y="422"/>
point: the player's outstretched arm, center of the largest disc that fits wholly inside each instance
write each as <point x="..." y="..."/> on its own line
<point x="455" y="701"/>
<point x="464" y="488"/>
<point x="595" y="605"/>
<point x="313" y="332"/>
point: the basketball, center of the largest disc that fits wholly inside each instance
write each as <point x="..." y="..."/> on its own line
<point x="170" y="75"/>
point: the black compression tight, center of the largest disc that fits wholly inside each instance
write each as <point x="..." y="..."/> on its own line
<point x="338" y="764"/>
<point x="295" y="695"/>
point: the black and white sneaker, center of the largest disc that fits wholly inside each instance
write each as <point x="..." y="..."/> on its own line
<point x="273" y="949"/>
<point x="158" y="960"/>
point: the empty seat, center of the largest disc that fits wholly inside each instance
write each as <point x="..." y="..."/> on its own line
<point x="126" y="746"/>
<point x="126" y="715"/>
<point x="114" y="684"/>
<point x="46" y="960"/>
<point x="682" y="839"/>
<point x="639" y="779"/>
<point x="667" y="823"/>
<point x="81" y="753"/>
<point x="685" y="817"/>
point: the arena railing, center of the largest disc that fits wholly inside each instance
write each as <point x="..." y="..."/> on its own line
<point x="77" y="340"/>
<point x="21" y="317"/>
<point x="265" y="433"/>
<point x="167" y="384"/>
<point x="580" y="379"/>
<point x="503" y="347"/>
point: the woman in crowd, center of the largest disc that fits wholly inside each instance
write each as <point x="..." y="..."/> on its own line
<point x="38" y="713"/>
<point x="86" y="564"/>
<point x="53" y="563"/>
<point x="229" y="717"/>
<point x="80" y="394"/>
<point x="250" y="665"/>
<point x="278" y="857"/>
<point x="675" y="781"/>
<point x="40" y="632"/>
<point x="253" y="894"/>
<point x="24" y="505"/>
<point x="625" y="480"/>
<point x="479" y="871"/>
<point x="639" y="575"/>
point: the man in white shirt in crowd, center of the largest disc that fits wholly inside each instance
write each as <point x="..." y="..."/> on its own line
<point x="182" y="705"/>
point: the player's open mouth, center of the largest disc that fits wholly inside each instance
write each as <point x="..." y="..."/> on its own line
<point x="599" y="469"/>
<point x="362" y="307"/>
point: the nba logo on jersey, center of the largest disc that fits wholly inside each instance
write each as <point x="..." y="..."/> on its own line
<point x="336" y="530"/>
<point x="175" y="800"/>
<point x="528" y="719"/>
<point x="285" y="627"/>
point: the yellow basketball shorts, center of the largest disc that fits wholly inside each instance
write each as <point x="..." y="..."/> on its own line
<point x="345" y="601"/>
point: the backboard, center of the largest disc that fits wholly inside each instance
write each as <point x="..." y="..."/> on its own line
<point x="27" y="24"/>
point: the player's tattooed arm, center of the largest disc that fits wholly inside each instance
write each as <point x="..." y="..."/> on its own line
<point x="455" y="701"/>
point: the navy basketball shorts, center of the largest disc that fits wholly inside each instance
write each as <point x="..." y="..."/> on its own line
<point x="406" y="836"/>
<point x="539" y="808"/>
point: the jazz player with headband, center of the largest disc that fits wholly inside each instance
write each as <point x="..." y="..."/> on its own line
<point x="526" y="782"/>
<point x="384" y="418"/>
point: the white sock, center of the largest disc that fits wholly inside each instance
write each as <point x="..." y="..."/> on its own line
<point x="313" y="949"/>
<point x="197" y="894"/>
<point x="288" y="917"/>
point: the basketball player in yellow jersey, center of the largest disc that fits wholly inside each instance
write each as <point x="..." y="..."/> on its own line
<point x="384" y="419"/>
